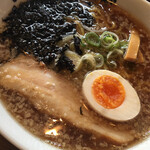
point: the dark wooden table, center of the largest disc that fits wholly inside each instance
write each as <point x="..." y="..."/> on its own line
<point x="5" y="145"/>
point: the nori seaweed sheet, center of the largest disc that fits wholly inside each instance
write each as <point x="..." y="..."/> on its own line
<point x="37" y="25"/>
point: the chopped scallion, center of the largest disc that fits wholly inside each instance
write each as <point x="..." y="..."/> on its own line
<point x="83" y="42"/>
<point x="92" y="39"/>
<point x="109" y="39"/>
<point x="99" y="60"/>
<point x="112" y="56"/>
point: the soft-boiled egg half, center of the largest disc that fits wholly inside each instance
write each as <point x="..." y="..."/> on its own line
<point x="111" y="95"/>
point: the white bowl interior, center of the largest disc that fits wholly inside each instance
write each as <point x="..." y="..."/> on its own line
<point x="14" y="132"/>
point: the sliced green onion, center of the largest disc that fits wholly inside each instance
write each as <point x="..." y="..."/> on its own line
<point x="99" y="60"/>
<point x="83" y="42"/>
<point x="112" y="56"/>
<point x="92" y="39"/>
<point x="112" y="64"/>
<point x="116" y="45"/>
<point x="89" y="60"/>
<point x="124" y="44"/>
<point x="109" y="39"/>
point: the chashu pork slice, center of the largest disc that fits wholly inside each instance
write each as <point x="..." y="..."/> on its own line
<point x="50" y="93"/>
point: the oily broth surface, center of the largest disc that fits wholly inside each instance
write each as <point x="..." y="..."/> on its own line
<point x="69" y="137"/>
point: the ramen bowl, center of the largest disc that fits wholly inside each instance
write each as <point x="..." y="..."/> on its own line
<point x="17" y="134"/>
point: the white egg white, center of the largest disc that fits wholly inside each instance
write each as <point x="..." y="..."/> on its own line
<point x="129" y="109"/>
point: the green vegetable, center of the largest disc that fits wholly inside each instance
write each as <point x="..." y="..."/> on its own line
<point x="99" y="60"/>
<point x="99" y="52"/>
<point x="92" y="39"/>
<point x="83" y="42"/>
<point x="116" y="53"/>
<point x="89" y="61"/>
<point x="109" y="39"/>
<point x="113" y="64"/>
<point x="112" y="56"/>
<point x="123" y="44"/>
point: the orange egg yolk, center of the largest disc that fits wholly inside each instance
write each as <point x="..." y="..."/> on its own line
<point x="108" y="91"/>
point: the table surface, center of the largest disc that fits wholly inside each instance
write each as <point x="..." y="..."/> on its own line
<point x="5" y="145"/>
